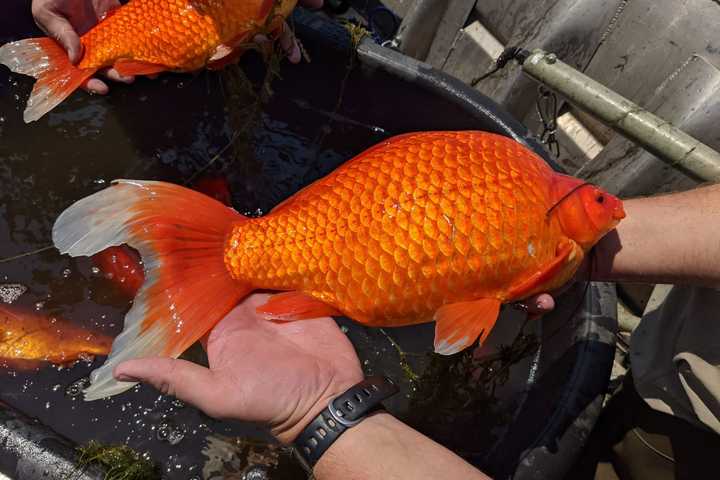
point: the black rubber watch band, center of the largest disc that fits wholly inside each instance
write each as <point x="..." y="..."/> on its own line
<point x="342" y="412"/>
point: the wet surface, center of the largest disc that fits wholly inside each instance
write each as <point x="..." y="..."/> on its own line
<point x="181" y="128"/>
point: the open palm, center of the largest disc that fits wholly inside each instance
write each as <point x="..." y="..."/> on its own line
<point x="278" y="373"/>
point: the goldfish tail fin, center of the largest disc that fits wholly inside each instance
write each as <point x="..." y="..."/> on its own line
<point x="44" y="59"/>
<point x="180" y="234"/>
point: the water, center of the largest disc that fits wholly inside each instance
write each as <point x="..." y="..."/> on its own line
<point x="179" y="128"/>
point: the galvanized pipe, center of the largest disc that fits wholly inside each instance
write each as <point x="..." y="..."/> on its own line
<point x="656" y="135"/>
<point x="31" y="451"/>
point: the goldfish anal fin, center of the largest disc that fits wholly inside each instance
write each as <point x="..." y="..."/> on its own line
<point x="567" y="252"/>
<point x="290" y="306"/>
<point x="128" y="67"/>
<point x="458" y="325"/>
<point x="44" y="59"/>
<point x="180" y="235"/>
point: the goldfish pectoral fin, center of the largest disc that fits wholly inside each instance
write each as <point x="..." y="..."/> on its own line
<point x="289" y="306"/>
<point x="128" y="68"/>
<point x="567" y="252"/>
<point x="458" y="325"/>
<point x="180" y="235"/>
<point x="227" y="53"/>
<point x="44" y="59"/>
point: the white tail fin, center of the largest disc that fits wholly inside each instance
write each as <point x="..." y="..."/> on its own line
<point x="180" y="235"/>
<point x="45" y="60"/>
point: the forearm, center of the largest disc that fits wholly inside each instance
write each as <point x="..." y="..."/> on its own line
<point x="383" y="447"/>
<point x="672" y="238"/>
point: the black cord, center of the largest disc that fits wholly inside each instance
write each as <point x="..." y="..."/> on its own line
<point x="510" y="53"/>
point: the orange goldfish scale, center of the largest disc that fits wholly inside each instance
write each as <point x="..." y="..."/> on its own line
<point x="407" y="226"/>
<point x="179" y="34"/>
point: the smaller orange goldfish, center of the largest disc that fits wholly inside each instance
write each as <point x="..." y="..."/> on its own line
<point x="145" y="37"/>
<point x="122" y="265"/>
<point x="28" y="340"/>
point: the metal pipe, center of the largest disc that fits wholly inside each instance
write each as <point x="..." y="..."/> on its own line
<point x="656" y="135"/>
<point x="30" y="450"/>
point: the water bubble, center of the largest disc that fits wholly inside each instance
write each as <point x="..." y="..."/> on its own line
<point x="255" y="472"/>
<point x="56" y="387"/>
<point x="66" y="273"/>
<point x="344" y="329"/>
<point x="95" y="270"/>
<point x="76" y="388"/>
<point x="39" y="305"/>
<point x="47" y="405"/>
<point x="9" y="292"/>
<point x="171" y="434"/>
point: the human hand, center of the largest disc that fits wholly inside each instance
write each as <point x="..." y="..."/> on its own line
<point x="543" y="303"/>
<point x="288" y="42"/>
<point x="278" y="373"/>
<point x="66" y="20"/>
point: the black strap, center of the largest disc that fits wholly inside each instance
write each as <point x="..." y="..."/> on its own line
<point x="342" y="413"/>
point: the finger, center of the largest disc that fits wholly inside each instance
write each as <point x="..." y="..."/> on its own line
<point x="538" y="304"/>
<point x="114" y="75"/>
<point x="95" y="85"/>
<point x="289" y="45"/>
<point x="60" y="29"/>
<point x="184" y="380"/>
<point x="312" y="3"/>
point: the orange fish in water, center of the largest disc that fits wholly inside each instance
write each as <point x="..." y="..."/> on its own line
<point x="29" y="339"/>
<point x="122" y="265"/>
<point x="442" y="226"/>
<point x="145" y="37"/>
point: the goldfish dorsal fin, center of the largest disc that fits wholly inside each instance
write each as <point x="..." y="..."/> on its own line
<point x="127" y="67"/>
<point x="295" y="306"/>
<point x="458" y="325"/>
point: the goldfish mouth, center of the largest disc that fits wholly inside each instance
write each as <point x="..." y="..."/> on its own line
<point x="619" y="212"/>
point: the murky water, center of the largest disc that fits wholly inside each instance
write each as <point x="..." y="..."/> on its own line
<point x="178" y="128"/>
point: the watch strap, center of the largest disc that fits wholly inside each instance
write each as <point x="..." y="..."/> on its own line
<point x="342" y="412"/>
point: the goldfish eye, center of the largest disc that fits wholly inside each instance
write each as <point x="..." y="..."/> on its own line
<point x="600" y="198"/>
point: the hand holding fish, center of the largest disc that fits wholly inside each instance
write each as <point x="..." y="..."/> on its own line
<point x="278" y="373"/>
<point x="283" y="374"/>
<point x="66" y="20"/>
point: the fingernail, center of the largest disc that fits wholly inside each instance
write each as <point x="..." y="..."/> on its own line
<point x="122" y="377"/>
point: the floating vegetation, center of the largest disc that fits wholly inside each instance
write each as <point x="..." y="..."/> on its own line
<point x="357" y="32"/>
<point x="119" y="461"/>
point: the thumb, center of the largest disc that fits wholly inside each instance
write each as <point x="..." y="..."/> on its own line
<point x="184" y="380"/>
<point x="59" y="28"/>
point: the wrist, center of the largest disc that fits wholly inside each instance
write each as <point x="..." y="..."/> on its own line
<point x="339" y="414"/>
<point x="288" y="431"/>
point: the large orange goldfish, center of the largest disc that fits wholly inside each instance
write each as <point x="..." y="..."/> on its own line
<point x="144" y="37"/>
<point x="29" y="339"/>
<point x="442" y="226"/>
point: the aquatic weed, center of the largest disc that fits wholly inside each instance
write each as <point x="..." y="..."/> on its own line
<point x="119" y="461"/>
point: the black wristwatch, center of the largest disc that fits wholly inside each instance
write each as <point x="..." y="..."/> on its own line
<point x="342" y="412"/>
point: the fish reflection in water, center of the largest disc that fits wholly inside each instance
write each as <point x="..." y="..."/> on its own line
<point x="29" y="340"/>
